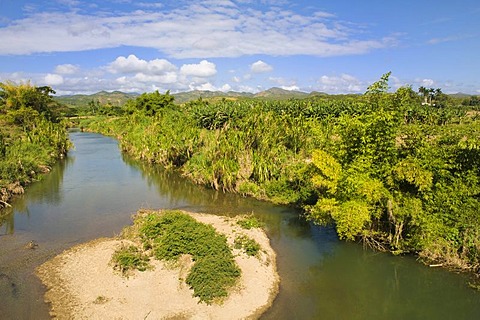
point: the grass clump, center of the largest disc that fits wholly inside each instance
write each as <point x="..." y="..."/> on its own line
<point x="129" y="258"/>
<point x="249" y="246"/>
<point x="250" y="222"/>
<point x="170" y="234"/>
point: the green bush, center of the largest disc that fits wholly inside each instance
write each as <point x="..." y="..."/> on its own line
<point x="250" y="246"/>
<point x="170" y="234"/>
<point x="394" y="162"/>
<point x="129" y="258"/>
<point x="250" y="222"/>
<point x="212" y="276"/>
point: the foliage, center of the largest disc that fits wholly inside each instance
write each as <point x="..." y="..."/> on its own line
<point x="249" y="222"/>
<point x="381" y="167"/>
<point x="150" y="104"/>
<point x="31" y="135"/>
<point x="129" y="258"/>
<point x="170" y="234"/>
<point x="248" y="245"/>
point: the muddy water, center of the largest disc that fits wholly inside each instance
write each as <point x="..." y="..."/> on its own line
<point x="95" y="190"/>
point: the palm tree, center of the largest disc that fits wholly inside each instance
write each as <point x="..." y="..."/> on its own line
<point x="424" y="92"/>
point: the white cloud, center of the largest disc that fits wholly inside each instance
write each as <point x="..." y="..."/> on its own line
<point x="210" y="87"/>
<point x="159" y="66"/>
<point x="157" y="70"/>
<point x="290" y="88"/>
<point x="226" y="87"/>
<point x="71" y="3"/>
<point x="155" y="5"/>
<point x="167" y="78"/>
<point x="66" y="69"/>
<point x="286" y="84"/>
<point x="203" y="69"/>
<point x="130" y="64"/>
<point x="260" y="67"/>
<point x="340" y="84"/>
<point x="220" y="29"/>
<point x="53" y="79"/>
<point x="204" y="87"/>
<point x="428" y="82"/>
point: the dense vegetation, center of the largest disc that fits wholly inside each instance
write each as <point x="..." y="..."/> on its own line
<point x="32" y="136"/>
<point x="400" y="171"/>
<point x="167" y="235"/>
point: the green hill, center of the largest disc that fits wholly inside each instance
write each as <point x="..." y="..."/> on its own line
<point x="280" y="94"/>
<point x="183" y="97"/>
<point x="118" y="98"/>
<point x="115" y="98"/>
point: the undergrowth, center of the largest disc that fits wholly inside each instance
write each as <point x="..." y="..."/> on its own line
<point x="250" y="222"/>
<point x="250" y="246"/>
<point x="169" y="234"/>
<point x="129" y="258"/>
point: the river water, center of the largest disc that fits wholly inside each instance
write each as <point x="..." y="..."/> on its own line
<point x="96" y="189"/>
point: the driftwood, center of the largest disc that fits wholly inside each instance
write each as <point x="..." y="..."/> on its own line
<point x="5" y="204"/>
<point x="436" y="265"/>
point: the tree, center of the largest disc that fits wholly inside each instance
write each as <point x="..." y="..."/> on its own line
<point x="405" y="97"/>
<point x="377" y="91"/>
<point x="380" y="86"/>
<point x="424" y="92"/>
<point x="23" y="103"/>
<point x="151" y="103"/>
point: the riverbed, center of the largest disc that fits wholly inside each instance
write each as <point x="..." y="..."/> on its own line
<point x="95" y="190"/>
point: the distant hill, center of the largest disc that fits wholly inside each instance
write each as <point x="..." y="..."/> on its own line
<point x="183" y="97"/>
<point x="460" y="95"/>
<point x="118" y="98"/>
<point x="272" y="93"/>
<point x="318" y="94"/>
<point x="280" y="94"/>
<point x="115" y="98"/>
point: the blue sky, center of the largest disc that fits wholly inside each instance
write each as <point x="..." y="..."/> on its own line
<point x="339" y="46"/>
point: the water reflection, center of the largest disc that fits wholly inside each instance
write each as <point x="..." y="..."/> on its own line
<point x="95" y="190"/>
<point x="47" y="190"/>
<point x="7" y="221"/>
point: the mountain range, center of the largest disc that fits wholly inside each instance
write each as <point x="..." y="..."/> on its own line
<point x="118" y="98"/>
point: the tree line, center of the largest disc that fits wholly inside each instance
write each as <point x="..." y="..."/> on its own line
<point x="32" y="136"/>
<point x="380" y="167"/>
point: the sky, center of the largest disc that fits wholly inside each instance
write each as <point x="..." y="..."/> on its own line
<point x="337" y="47"/>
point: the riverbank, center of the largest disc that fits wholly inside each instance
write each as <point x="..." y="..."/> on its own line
<point x="82" y="284"/>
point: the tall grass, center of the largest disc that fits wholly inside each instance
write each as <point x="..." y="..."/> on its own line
<point x="396" y="163"/>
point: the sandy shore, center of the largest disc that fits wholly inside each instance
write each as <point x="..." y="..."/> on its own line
<point x="82" y="285"/>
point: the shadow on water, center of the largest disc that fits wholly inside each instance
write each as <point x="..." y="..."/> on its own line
<point x="47" y="189"/>
<point x="96" y="189"/>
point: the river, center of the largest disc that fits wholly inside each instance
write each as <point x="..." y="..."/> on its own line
<point x="95" y="190"/>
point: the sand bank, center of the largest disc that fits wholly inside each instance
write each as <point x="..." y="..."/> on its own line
<point x="81" y="284"/>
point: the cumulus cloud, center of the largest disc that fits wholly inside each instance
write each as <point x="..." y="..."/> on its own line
<point x="260" y="67"/>
<point x="428" y="82"/>
<point x="53" y="79"/>
<point x="132" y="64"/>
<point x="344" y="83"/>
<point x="290" y="88"/>
<point x="139" y="75"/>
<point x="66" y="69"/>
<point x="221" y="29"/>
<point x="210" y="87"/>
<point x="286" y="84"/>
<point x="169" y="77"/>
<point x="202" y="69"/>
